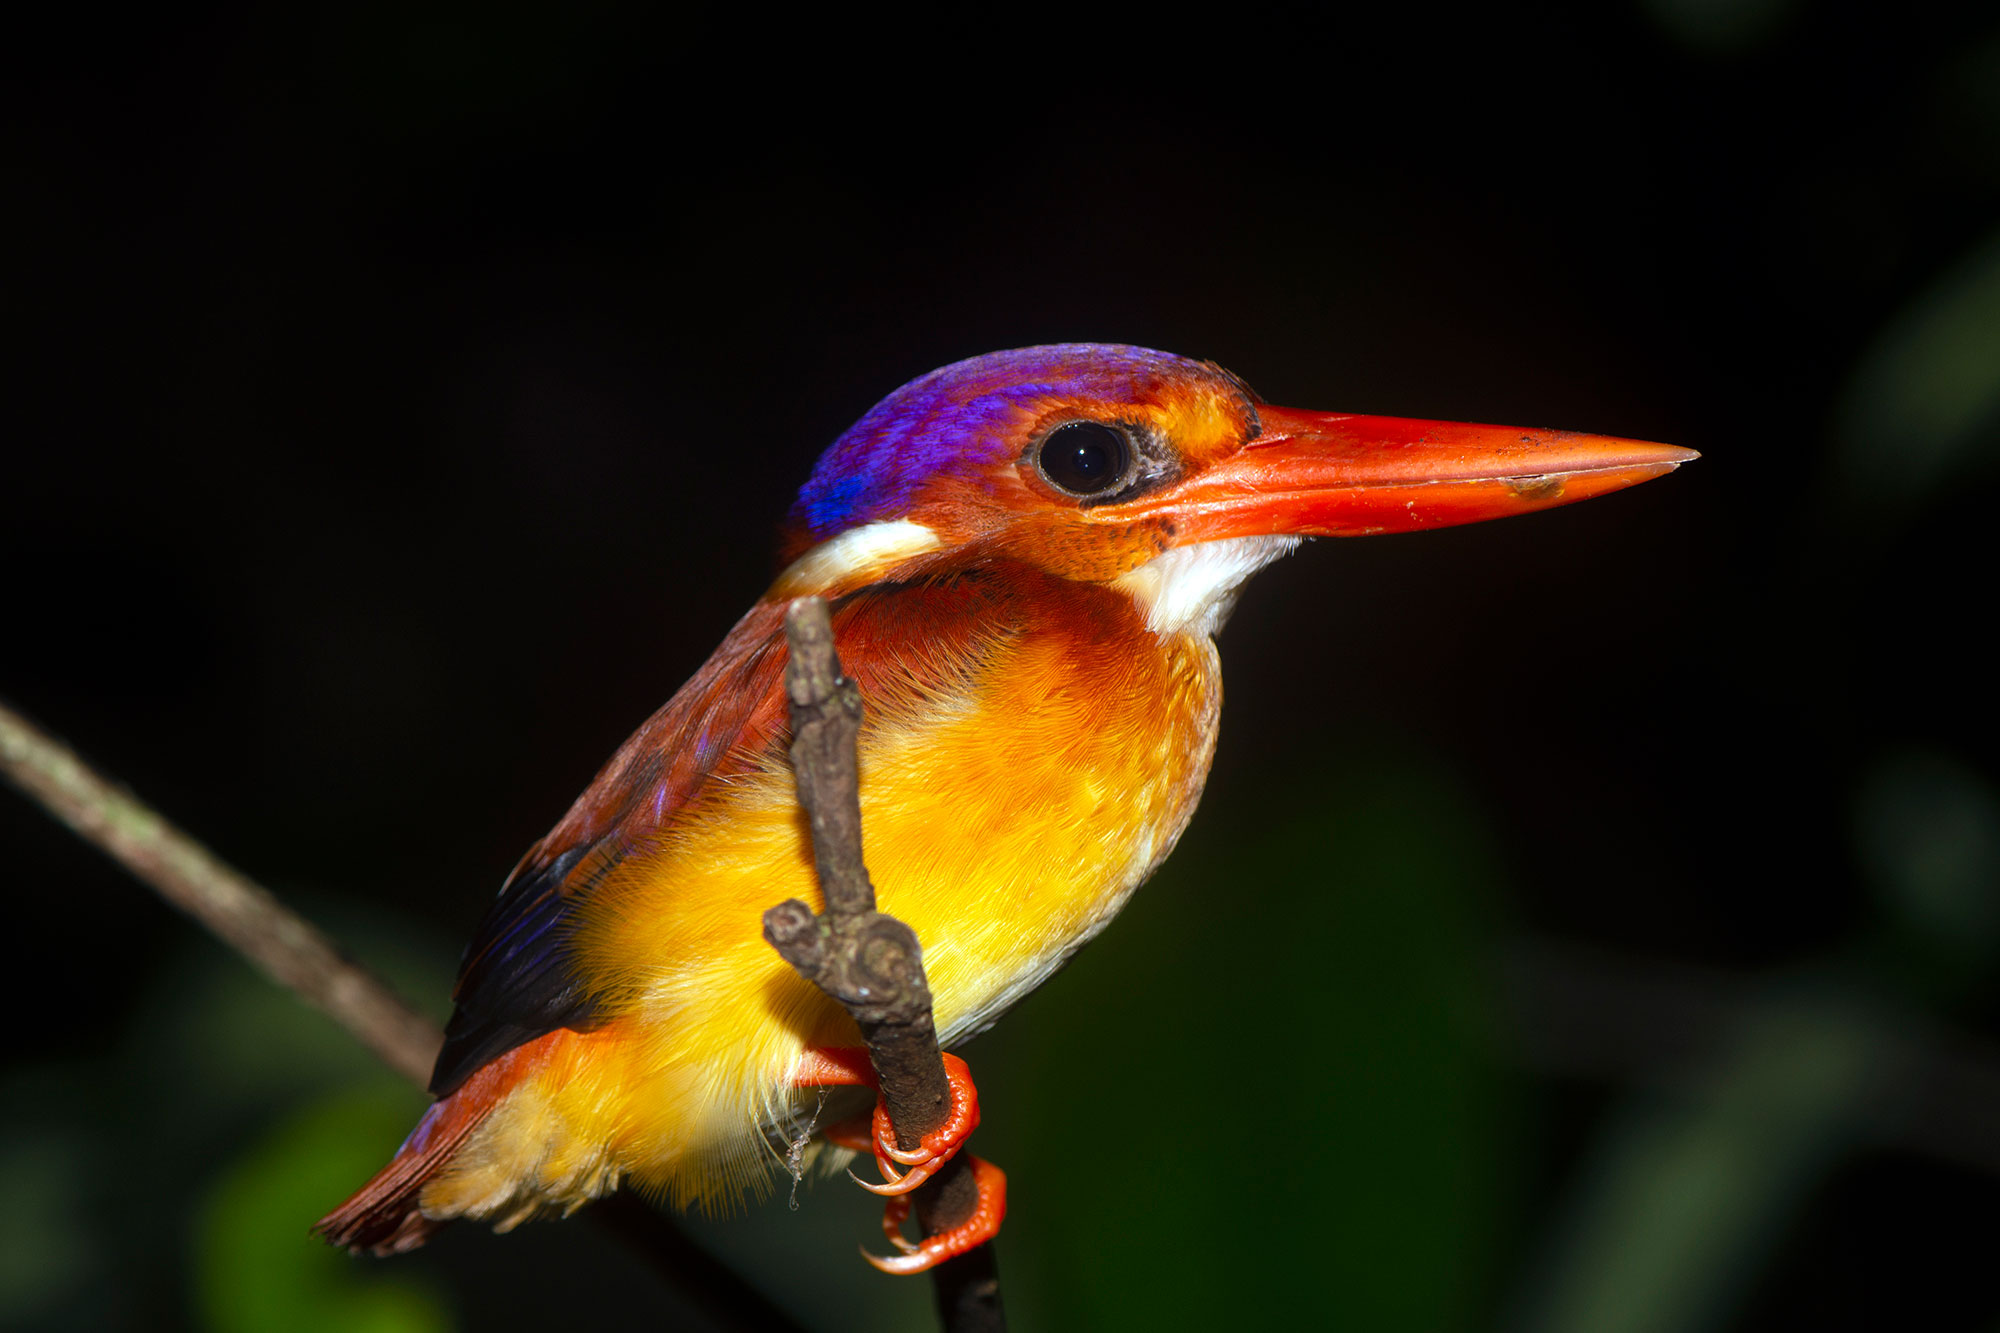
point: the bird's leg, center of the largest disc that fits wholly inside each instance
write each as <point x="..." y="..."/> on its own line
<point x="826" y="1067"/>
<point x="850" y="1067"/>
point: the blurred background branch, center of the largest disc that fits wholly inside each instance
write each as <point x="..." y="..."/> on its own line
<point x="281" y="944"/>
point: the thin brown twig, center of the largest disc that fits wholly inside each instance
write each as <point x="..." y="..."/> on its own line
<point x="283" y="945"/>
<point x="870" y="962"/>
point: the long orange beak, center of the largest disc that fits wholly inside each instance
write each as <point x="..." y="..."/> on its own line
<point x="1329" y="474"/>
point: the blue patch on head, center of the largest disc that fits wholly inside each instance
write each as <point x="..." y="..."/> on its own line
<point x="963" y="419"/>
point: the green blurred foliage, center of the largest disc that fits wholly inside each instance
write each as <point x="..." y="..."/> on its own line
<point x="1922" y="410"/>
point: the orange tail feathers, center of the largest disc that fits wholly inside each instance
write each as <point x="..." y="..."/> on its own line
<point x="385" y="1216"/>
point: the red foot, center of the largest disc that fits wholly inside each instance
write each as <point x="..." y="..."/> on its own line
<point x="850" y="1067"/>
<point x="982" y="1226"/>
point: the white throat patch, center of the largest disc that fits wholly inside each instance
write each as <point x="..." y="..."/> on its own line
<point x="1192" y="589"/>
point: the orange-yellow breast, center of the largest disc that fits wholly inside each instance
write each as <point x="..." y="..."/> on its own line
<point x="1011" y="800"/>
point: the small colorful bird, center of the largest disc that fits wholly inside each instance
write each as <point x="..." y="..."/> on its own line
<point x="1027" y="556"/>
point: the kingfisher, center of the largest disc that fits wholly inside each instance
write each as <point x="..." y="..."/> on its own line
<point x="1027" y="556"/>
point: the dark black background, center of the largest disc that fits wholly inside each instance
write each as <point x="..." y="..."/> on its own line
<point x="403" y="400"/>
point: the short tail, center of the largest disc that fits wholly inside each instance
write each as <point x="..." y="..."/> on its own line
<point x="386" y="1216"/>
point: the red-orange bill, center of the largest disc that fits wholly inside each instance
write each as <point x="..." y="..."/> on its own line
<point x="1331" y="474"/>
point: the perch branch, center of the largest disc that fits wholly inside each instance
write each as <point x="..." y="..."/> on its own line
<point x="868" y="962"/>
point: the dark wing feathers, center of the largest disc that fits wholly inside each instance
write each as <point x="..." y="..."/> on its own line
<point x="513" y="984"/>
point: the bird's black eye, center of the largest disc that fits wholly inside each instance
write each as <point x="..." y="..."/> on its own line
<point x="1085" y="457"/>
